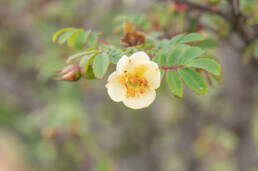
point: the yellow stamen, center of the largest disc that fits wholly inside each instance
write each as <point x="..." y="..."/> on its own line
<point x="135" y="82"/>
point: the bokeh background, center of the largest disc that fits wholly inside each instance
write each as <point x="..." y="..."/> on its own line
<point x="64" y="126"/>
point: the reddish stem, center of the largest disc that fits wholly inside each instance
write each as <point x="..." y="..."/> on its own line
<point x="150" y="55"/>
<point x="103" y="41"/>
<point x="171" y="68"/>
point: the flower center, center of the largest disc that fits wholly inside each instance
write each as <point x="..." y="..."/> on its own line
<point x="135" y="82"/>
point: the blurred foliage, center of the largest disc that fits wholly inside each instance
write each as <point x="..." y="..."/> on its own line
<point x="50" y="125"/>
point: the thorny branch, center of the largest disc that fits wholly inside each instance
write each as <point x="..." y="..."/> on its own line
<point x="233" y="16"/>
<point x="205" y="8"/>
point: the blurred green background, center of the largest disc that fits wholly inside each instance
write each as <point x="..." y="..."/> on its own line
<point x="63" y="126"/>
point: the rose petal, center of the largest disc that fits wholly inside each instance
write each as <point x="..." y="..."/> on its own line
<point x="122" y="64"/>
<point x="152" y="74"/>
<point x="142" y="101"/>
<point x="139" y="58"/>
<point x="127" y="64"/>
<point x="116" y="90"/>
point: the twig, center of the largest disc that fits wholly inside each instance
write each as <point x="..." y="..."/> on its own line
<point x="205" y="8"/>
<point x="103" y="41"/>
<point x="234" y="17"/>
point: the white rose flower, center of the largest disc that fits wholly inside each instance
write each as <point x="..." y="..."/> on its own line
<point x="134" y="81"/>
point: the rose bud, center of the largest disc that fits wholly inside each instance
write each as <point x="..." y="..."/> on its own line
<point x="70" y="73"/>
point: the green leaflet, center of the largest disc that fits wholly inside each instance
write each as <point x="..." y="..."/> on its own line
<point x="163" y="58"/>
<point x="59" y="32"/>
<point x="100" y="65"/>
<point x="162" y="73"/>
<point x="192" y="37"/>
<point x="86" y="61"/>
<point x="175" y="39"/>
<point x="163" y="44"/>
<point x="81" y="39"/>
<point x="114" y="54"/>
<point x="193" y="80"/>
<point x="156" y="59"/>
<point x="175" y="83"/>
<point x="89" y="74"/>
<point x="71" y="58"/>
<point x="93" y="39"/>
<point x="70" y="41"/>
<point x="184" y="46"/>
<point x="174" y="56"/>
<point x="207" y="44"/>
<point x="209" y="65"/>
<point x="190" y="54"/>
<point x="186" y="38"/>
<point x="76" y="37"/>
<point x="66" y="36"/>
